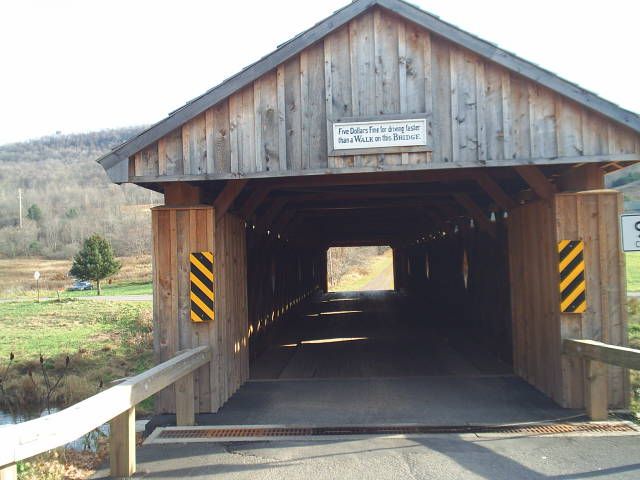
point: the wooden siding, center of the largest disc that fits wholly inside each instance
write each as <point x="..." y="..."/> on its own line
<point x="176" y="233"/>
<point x="279" y="277"/>
<point x="535" y="300"/>
<point x="479" y="113"/>
<point x="538" y="326"/>
<point x="593" y="218"/>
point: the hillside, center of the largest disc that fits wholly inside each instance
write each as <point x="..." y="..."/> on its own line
<point x="67" y="196"/>
<point x="628" y="182"/>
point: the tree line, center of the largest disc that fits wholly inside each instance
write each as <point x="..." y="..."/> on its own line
<point x="67" y="197"/>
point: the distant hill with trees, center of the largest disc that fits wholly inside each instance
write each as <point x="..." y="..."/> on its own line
<point x="66" y="197"/>
<point x="628" y="182"/>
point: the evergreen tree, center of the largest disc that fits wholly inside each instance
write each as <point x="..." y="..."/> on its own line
<point x="95" y="261"/>
<point x="34" y="213"/>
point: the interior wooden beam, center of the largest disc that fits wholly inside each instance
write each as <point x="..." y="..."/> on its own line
<point x="266" y="220"/>
<point x="227" y="196"/>
<point x="589" y="176"/>
<point x="476" y="213"/>
<point x="538" y="182"/>
<point x="375" y="178"/>
<point x="284" y="219"/>
<point x="181" y="194"/>
<point x="254" y="200"/>
<point x="495" y="191"/>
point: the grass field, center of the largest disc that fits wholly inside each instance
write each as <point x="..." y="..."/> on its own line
<point x="633" y="271"/>
<point x="104" y="340"/>
<point x="16" y="276"/>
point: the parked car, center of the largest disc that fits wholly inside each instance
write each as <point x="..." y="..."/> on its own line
<point x="80" y="286"/>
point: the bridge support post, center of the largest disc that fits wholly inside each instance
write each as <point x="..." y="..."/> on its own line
<point x="9" y="473"/>
<point x="185" y="405"/>
<point x="122" y="444"/>
<point x="596" y="390"/>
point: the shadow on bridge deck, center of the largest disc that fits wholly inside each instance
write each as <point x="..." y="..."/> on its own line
<point x="373" y="358"/>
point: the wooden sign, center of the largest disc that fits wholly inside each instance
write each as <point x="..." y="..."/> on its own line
<point x="390" y="133"/>
<point x="573" y="290"/>
<point x="201" y="286"/>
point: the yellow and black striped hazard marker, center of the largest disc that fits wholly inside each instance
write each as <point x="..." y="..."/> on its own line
<point x="573" y="289"/>
<point x="201" y="286"/>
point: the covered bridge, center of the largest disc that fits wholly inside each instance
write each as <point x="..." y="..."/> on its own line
<point x="384" y="125"/>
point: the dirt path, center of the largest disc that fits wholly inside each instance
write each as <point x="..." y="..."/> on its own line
<point x="382" y="281"/>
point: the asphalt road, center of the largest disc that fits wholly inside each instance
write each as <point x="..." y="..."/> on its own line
<point x="442" y="457"/>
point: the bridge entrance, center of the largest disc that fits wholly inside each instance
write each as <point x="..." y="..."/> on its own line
<point x="476" y="284"/>
<point x="382" y="125"/>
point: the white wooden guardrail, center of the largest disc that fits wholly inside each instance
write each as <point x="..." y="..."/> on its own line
<point x="115" y="405"/>
<point x="596" y="356"/>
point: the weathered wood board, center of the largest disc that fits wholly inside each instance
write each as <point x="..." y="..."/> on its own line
<point x="479" y="112"/>
<point x="177" y="232"/>
<point x="538" y="324"/>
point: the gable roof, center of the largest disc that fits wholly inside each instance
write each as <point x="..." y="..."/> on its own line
<point x="341" y="17"/>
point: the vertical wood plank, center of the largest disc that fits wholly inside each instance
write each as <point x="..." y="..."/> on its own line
<point x="507" y="117"/>
<point x="185" y="405"/>
<point x="596" y="385"/>
<point x="542" y="123"/>
<point x="218" y="138"/>
<point x="194" y="146"/>
<point x="293" y="119"/>
<point x="314" y="127"/>
<point x="170" y="154"/>
<point x="363" y="78"/>
<point x="442" y="116"/>
<point x="242" y="136"/>
<point x="282" y="127"/>
<point x="520" y="117"/>
<point x="481" y="111"/>
<point x="122" y="444"/>
<point x="417" y="76"/>
<point x="494" y="127"/>
<point x="338" y="84"/>
<point x="265" y="97"/>
<point x="387" y="77"/>
<point x="594" y="133"/>
<point x="569" y="128"/>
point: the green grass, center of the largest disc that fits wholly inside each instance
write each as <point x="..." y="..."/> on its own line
<point x="129" y="288"/>
<point x="105" y="341"/>
<point x="633" y="271"/>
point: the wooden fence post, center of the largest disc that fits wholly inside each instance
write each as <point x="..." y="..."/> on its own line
<point x="9" y="473"/>
<point x="596" y="385"/>
<point x="185" y="404"/>
<point x="122" y="444"/>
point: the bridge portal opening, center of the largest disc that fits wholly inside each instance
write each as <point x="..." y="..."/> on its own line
<point x="359" y="269"/>
<point x="377" y="277"/>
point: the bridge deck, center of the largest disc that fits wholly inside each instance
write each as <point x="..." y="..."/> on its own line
<point x="374" y="358"/>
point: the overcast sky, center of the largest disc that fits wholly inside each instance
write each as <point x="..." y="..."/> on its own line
<point x="79" y="65"/>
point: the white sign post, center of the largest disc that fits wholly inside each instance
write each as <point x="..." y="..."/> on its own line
<point x="630" y="232"/>
<point x="36" y="277"/>
<point x="380" y="134"/>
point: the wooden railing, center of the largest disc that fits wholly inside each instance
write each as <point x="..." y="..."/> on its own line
<point x="596" y="356"/>
<point x="115" y="405"/>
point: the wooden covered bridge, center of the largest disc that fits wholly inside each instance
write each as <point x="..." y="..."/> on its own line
<point x="381" y="125"/>
<point x="384" y="125"/>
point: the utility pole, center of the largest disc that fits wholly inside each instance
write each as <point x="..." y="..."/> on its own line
<point x="20" y="208"/>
